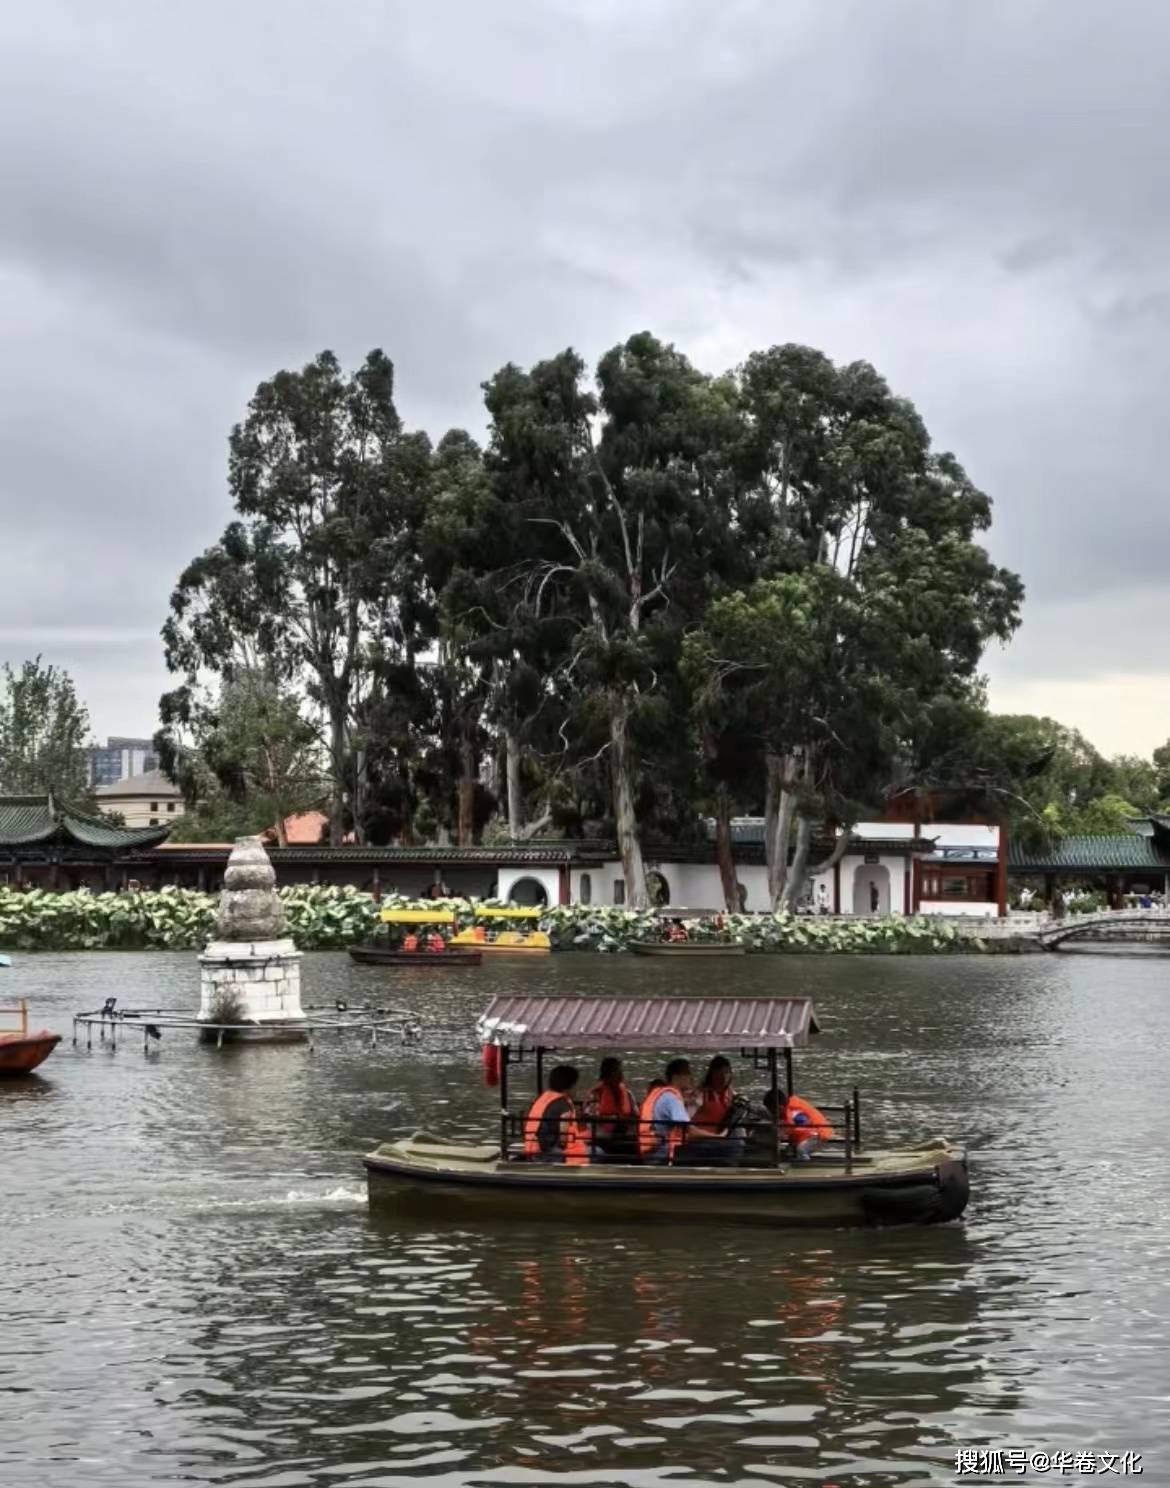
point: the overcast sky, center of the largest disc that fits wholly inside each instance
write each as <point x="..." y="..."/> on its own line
<point x="974" y="198"/>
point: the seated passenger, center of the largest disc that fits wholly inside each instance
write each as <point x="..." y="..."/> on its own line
<point x="714" y="1095"/>
<point x="435" y="942"/>
<point x="551" y="1133"/>
<point x="676" y="930"/>
<point x="612" y="1099"/>
<point x="410" y="941"/>
<point x="804" y="1127"/>
<point x="663" y="1123"/>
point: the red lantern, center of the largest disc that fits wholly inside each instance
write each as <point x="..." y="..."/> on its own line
<point x="491" y="1064"/>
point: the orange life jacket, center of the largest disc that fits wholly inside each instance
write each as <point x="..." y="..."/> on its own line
<point x="649" y="1136"/>
<point x="676" y="932"/>
<point x="816" y="1125"/>
<point x="605" y="1102"/>
<point x="410" y="942"/>
<point x="575" y="1149"/>
<point x="713" y="1108"/>
<point x="435" y="942"/>
<point x="479" y="933"/>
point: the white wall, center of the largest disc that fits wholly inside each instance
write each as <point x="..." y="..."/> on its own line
<point x="957" y="907"/>
<point x="549" y="877"/>
<point x="888" y="831"/>
<point x="955" y="834"/>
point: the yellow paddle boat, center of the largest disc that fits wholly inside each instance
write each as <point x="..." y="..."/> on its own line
<point x="405" y="941"/>
<point x="513" y="941"/>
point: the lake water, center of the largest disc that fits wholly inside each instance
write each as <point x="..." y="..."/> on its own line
<point x="194" y="1289"/>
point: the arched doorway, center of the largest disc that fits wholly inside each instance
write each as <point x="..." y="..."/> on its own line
<point x="529" y="892"/>
<point x="871" y="890"/>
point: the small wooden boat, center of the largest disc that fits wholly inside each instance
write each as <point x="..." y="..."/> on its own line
<point x="21" y="1051"/>
<point x="373" y="955"/>
<point x="392" y="950"/>
<point x="923" y="1185"/>
<point x="687" y="948"/>
<point x="840" y="1184"/>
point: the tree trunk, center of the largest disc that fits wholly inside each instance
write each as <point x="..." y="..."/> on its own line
<point x="799" y="870"/>
<point x="337" y="773"/>
<point x="465" y="812"/>
<point x="723" y="853"/>
<point x="281" y="834"/>
<point x="628" y="840"/>
<point x="779" y="806"/>
<point x="840" y="848"/>
<point x="359" y="796"/>
<point x="515" y="789"/>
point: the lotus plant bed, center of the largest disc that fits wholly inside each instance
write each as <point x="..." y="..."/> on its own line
<point x="326" y="918"/>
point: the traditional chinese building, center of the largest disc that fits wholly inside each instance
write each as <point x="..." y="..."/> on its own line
<point x="1133" y="862"/>
<point x="46" y="844"/>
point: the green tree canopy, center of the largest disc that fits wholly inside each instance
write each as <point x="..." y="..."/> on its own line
<point x="44" y="730"/>
<point x="317" y="582"/>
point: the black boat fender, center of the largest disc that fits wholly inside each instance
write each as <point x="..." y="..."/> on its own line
<point x="932" y="1202"/>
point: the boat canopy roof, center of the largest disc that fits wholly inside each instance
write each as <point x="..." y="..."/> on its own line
<point x="507" y="912"/>
<point x="649" y="1022"/>
<point x="418" y="916"/>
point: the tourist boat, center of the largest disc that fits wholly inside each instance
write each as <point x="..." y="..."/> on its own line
<point x="513" y="942"/>
<point x="687" y="948"/>
<point x="20" y="1051"/>
<point x="392" y="952"/>
<point x="842" y="1184"/>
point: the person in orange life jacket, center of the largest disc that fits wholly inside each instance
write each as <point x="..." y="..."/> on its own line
<point x="804" y="1127"/>
<point x="676" y="930"/>
<point x="612" y="1099"/>
<point x="435" y="942"/>
<point x="664" y="1122"/>
<point x="715" y="1095"/>
<point x="410" y="941"/>
<point x="551" y="1133"/>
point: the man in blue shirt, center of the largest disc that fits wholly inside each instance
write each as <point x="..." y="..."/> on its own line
<point x="665" y="1131"/>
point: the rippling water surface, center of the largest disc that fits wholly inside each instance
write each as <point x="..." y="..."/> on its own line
<point x="194" y="1288"/>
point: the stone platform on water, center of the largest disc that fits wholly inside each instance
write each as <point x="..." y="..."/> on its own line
<point x="250" y="974"/>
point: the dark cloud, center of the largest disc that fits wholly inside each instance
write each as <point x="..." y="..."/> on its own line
<point x="975" y="199"/>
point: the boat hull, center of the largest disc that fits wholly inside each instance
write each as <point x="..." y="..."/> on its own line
<point x="685" y="948"/>
<point x="453" y="956"/>
<point x="21" y="1054"/>
<point x="918" y="1186"/>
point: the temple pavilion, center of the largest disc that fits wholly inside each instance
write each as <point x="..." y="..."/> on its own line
<point x="46" y="843"/>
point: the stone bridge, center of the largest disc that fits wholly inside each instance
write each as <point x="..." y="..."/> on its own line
<point x="1116" y="924"/>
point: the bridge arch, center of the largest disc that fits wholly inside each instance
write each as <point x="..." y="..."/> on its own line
<point x="1115" y="922"/>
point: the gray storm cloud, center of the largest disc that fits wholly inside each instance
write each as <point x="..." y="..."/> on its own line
<point x="975" y="199"/>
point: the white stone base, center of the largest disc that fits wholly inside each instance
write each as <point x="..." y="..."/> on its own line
<point x="264" y="978"/>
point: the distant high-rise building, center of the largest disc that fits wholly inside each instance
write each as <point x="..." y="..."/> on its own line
<point x="118" y="758"/>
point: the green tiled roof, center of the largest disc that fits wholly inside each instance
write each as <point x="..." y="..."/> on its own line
<point x="25" y="820"/>
<point x="1120" y="850"/>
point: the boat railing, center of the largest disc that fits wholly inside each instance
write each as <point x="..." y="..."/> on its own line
<point x="18" y="1012"/>
<point x="599" y="1130"/>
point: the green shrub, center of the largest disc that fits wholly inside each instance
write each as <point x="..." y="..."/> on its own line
<point x="323" y="918"/>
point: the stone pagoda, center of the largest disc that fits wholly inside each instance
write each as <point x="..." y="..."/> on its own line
<point x="251" y="970"/>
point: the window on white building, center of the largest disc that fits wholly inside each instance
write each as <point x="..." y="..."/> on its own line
<point x="585" y="889"/>
<point x="619" y="891"/>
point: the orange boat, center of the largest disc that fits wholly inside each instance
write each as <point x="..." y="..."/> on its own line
<point x="21" y="1051"/>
